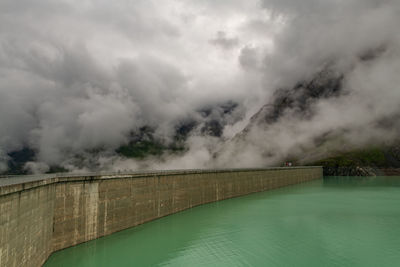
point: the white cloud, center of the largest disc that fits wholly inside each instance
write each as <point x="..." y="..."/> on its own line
<point x="78" y="75"/>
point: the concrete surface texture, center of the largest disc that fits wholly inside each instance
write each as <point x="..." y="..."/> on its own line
<point x="43" y="216"/>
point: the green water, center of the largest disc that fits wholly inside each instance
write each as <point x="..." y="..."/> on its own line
<point x="334" y="222"/>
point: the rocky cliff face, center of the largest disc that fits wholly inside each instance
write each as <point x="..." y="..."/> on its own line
<point x="366" y="162"/>
<point x="291" y="107"/>
<point x="145" y="142"/>
<point x="297" y="105"/>
<point x="351" y="171"/>
<point x="299" y="100"/>
<point x="361" y="171"/>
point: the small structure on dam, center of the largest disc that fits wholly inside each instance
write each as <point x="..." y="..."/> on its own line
<point x="40" y="215"/>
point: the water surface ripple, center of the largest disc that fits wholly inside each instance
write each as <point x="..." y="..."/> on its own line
<point x="334" y="222"/>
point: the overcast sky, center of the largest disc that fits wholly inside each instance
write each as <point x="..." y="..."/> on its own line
<point x="78" y="75"/>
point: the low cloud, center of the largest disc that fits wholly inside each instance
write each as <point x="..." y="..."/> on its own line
<point x="357" y="43"/>
<point x="78" y="77"/>
<point x="224" y="41"/>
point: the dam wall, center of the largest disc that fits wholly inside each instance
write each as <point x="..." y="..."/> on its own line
<point x="43" y="216"/>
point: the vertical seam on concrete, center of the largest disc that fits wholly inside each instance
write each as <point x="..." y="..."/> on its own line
<point x="75" y="204"/>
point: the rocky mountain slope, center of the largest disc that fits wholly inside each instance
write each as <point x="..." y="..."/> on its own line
<point x="145" y="142"/>
<point x="332" y="148"/>
<point x="288" y="109"/>
<point x="373" y="161"/>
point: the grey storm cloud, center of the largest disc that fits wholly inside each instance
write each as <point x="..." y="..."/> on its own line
<point x="82" y="75"/>
<point x="358" y="40"/>
<point x="224" y="41"/>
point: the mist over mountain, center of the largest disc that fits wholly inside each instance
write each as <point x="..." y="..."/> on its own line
<point x="100" y="85"/>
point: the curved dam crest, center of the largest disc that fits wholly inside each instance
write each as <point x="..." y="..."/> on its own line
<point x="43" y="215"/>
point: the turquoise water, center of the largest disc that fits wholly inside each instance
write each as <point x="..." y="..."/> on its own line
<point x="331" y="222"/>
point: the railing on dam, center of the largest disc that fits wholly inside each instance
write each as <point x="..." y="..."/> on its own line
<point x="19" y="179"/>
<point x="41" y="214"/>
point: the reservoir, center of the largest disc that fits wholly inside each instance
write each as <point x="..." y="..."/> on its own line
<point x="337" y="221"/>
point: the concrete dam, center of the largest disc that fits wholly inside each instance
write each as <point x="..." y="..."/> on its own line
<point x="41" y="215"/>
